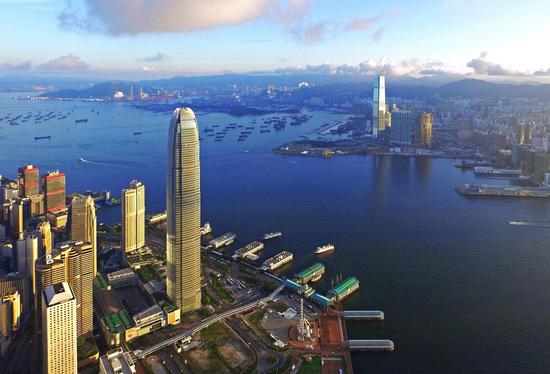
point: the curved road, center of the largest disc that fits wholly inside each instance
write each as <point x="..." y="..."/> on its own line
<point x="141" y="353"/>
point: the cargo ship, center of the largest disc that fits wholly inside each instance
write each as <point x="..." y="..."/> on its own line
<point x="249" y="249"/>
<point x="224" y="240"/>
<point x="42" y="137"/>
<point x="272" y="235"/>
<point x="324" y="249"/>
<point x="83" y="120"/>
<point x="206" y="229"/>
<point x="278" y="260"/>
<point x="503" y="191"/>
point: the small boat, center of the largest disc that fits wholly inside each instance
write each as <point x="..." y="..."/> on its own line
<point x="272" y="235"/>
<point x="42" y="137"/>
<point x="137" y="133"/>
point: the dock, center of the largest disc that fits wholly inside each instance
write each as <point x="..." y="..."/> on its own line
<point x="369" y="315"/>
<point x="371" y="345"/>
<point x="249" y="249"/>
<point x="344" y="289"/>
<point x="311" y="274"/>
<point x="225" y="239"/>
<point x="277" y="261"/>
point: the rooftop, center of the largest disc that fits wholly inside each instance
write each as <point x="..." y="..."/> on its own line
<point x="344" y="286"/>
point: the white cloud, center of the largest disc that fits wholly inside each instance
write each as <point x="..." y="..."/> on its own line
<point x="154" y="58"/>
<point x="481" y="66"/>
<point x="67" y="62"/>
<point x="372" y="67"/>
<point x="12" y="68"/>
<point x="313" y="33"/>
<point x="146" y="16"/>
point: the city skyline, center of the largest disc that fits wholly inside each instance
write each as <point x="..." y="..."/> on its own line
<point x="128" y="40"/>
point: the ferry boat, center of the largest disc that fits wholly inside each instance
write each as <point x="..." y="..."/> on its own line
<point x="272" y="235"/>
<point x="206" y="229"/>
<point x="324" y="249"/>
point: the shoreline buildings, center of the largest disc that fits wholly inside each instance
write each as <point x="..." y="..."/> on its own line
<point x="183" y="229"/>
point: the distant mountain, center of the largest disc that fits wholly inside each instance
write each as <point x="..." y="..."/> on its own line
<point x="480" y="88"/>
<point x="98" y="90"/>
<point x="326" y="85"/>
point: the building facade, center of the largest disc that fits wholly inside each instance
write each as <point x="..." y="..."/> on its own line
<point x="183" y="209"/>
<point x="70" y="262"/>
<point x="380" y="115"/>
<point x="29" y="179"/>
<point x="53" y="186"/>
<point x="423" y="131"/>
<point x="133" y="217"/>
<point x="59" y="341"/>
<point x="83" y="223"/>
<point x="402" y="127"/>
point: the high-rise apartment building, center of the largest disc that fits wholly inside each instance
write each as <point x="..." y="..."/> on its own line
<point x="59" y="340"/>
<point x="29" y="179"/>
<point x="183" y="212"/>
<point x="402" y="127"/>
<point x="53" y="186"/>
<point x="70" y="262"/>
<point x="423" y="131"/>
<point x="380" y="114"/>
<point x="83" y="223"/>
<point x="133" y="217"/>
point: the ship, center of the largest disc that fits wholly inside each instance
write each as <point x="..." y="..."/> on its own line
<point x="42" y="137"/>
<point x="206" y="229"/>
<point x="503" y="191"/>
<point x="83" y="120"/>
<point x="278" y="260"/>
<point x="272" y="235"/>
<point x="324" y="249"/>
<point x="488" y="170"/>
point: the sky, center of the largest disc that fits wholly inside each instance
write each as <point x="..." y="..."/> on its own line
<point x="141" y="39"/>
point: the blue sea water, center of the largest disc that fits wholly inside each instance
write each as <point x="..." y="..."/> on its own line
<point x="462" y="290"/>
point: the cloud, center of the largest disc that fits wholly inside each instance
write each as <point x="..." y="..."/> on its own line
<point x="145" y="16"/>
<point x="13" y="68"/>
<point x="148" y="69"/>
<point x="154" y="58"/>
<point x="314" y="33"/>
<point x="481" y="66"/>
<point x="362" y="24"/>
<point x="371" y="67"/>
<point x="67" y="62"/>
<point x="542" y="72"/>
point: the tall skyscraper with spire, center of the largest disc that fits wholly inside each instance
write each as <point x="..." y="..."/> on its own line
<point x="183" y="206"/>
<point x="379" y="112"/>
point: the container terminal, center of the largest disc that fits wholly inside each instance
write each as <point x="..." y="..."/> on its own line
<point x="344" y="289"/>
<point x="249" y="249"/>
<point x="503" y="191"/>
<point x="310" y="274"/>
<point x="277" y="261"/>
<point x="224" y="240"/>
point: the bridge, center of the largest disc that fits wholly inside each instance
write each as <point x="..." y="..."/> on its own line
<point x="378" y="345"/>
<point x="363" y="314"/>
<point x="142" y="353"/>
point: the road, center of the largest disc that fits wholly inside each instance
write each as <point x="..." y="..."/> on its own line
<point x="141" y="353"/>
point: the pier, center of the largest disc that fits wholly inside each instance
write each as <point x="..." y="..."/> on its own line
<point x="312" y="273"/>
<point x="371" y="345"/>
<point x="369" y="315"/>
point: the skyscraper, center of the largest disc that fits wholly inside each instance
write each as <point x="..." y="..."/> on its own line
<point x="45" y="241"/>
<point x="133" y="217"/>
<point x="53" y="185"/>
<point x="28" y="181"/>
<point x="69" y="262"/>
<point x="10" y="313"/>
<point x="423" y="131"/>
<point x="379" y="112"/>
<point x="83" y="223"/>
<point x="59" y="345"/>
<point x="402" y="127"/>
<point x="183" y="208"/>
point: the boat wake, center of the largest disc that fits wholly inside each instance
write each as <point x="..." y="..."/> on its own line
<point x="535" y="224"/>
